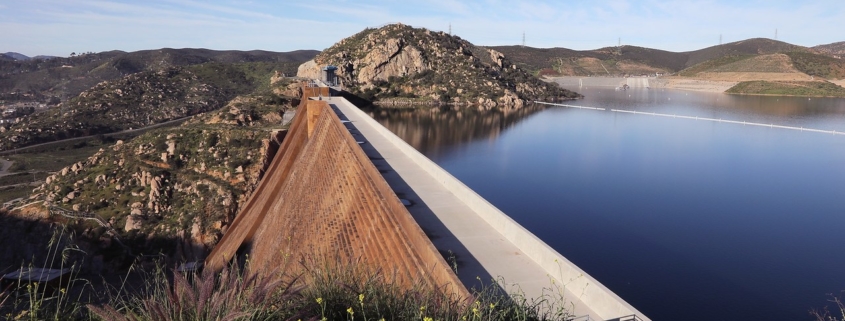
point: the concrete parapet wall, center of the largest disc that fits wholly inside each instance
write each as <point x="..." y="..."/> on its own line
<point x="598" y="297"/>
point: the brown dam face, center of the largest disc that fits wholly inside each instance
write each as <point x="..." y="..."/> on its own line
<point x="323" y="201"/>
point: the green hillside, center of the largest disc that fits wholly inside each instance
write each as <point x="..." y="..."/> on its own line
<point x="58" y="79"/>
<point x="788" y="88"/>
<point x="632" y="60"/>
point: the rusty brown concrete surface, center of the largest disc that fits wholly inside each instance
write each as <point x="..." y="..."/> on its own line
<point x="322" y="199"/>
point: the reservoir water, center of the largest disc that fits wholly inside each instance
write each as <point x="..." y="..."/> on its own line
<point x="685" y="219"/>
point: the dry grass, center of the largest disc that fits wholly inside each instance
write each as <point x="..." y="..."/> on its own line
<point x="323" y="292"/>
<point x="228" y="295"/>
<point x="825" y="315"/>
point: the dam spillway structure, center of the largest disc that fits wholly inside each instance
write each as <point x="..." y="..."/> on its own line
<point x="322" y="199"/>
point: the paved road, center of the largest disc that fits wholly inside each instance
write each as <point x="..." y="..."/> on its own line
<point x="4" y="167"/>
<point x="128" y="131"/>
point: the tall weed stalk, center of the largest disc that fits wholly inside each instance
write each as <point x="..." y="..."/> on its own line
<point x="24" y="300"/>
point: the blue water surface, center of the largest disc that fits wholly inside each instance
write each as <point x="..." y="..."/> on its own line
<point x="684" y="219"/>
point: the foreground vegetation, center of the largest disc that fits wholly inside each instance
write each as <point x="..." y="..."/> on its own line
<point x="788" y="88"/>
<point x="323" y="291"/>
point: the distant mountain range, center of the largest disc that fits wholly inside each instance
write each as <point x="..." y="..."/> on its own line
<point x="632" y="60"/>
<point x="21" y="57"/>
<point x="61" y="78"/>
<point x="134" y="90"/>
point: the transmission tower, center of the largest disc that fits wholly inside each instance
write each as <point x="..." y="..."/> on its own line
<point x="523" y="39"/>
<point x="450" y="29"/>
<point x="720" y="39"/>
<point x="776" y="33"/>
<point x="619" y="46"/>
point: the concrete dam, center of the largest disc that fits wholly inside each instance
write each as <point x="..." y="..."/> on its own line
<point x="343" y="186"/>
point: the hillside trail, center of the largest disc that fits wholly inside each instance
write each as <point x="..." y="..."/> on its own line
<point x="128" y="131"/>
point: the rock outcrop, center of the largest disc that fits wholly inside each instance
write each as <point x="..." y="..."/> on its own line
<point x="182" y="184"/>
<point x="401" y="62"/>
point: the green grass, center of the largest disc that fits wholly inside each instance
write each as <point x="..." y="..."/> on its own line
<point x="21" y="178"/>
<point x="818" y="65"/>
<point x="339" y="290"/>
<point x="788" y="88"/>
<point x="23" y="300"/>
<point x="10" y="193"/>
<point x="320" y="293"/>
<point x="712" y="64"/>
<point x="56" y="159"/>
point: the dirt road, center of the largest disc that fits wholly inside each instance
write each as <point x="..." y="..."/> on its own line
<point x="4" y="167"/>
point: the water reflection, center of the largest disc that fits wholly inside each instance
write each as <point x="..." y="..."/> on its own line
<point x="685" y="219"/>
<point x="820" y="113"/>
<point x="435" y="131"/>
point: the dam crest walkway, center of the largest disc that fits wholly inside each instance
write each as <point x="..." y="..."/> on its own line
<point x="488" y="245"/>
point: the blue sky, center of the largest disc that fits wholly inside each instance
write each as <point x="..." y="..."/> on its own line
<point x="59" y="27"/>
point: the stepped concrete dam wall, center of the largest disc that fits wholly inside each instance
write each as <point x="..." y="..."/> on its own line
<point x="332" y="193"/>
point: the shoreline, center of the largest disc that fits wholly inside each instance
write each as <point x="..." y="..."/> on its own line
<point x="691" y="84"/>
<point x="675" y="82"/>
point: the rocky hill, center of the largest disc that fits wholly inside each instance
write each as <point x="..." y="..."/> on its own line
<point x="138" y="100"/>
<point x="401" y="62"/>
<point x="836" y="48"/>
<point x="170" y="191"/>
<point x="61" y="78"/>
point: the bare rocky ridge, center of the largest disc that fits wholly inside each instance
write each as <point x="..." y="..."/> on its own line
<point x="400" y="62"/>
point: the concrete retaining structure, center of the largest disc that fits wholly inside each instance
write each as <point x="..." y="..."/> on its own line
<point x="602" y="302"/>
<point x="323" y="203"/>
